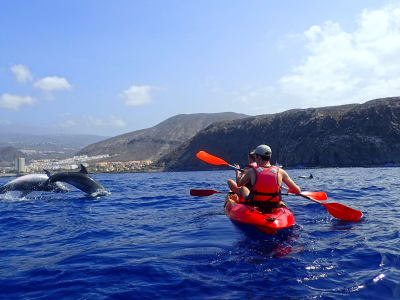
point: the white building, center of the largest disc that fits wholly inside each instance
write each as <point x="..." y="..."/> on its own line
<point x="20" y="165"/>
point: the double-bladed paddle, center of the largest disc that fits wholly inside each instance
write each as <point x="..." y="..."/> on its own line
<point x="318" y="196"/>
<point x="337" y="210"/>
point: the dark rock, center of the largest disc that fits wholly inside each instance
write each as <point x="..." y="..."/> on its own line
<point x="340" y="136"/>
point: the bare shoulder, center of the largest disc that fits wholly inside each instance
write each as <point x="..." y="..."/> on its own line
<point x="249" y="170"/>
<point x="283" y="172"/>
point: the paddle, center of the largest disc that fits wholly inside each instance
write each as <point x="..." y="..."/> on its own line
<point x="340" y="211"/>
<point x="337" y="210"/>
<point x="318" y="196"/>
<point x="213" y="160"/>
<point x="203" y="193"/>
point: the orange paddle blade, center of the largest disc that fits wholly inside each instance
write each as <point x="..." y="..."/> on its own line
<point x="211" y="159"/>
<point x="202" y="193"/>
<point x="343" y="212"/>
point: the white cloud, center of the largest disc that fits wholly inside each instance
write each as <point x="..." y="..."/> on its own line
<point x="14" y="102"/>
<point x="344" y="67"/>
<point x="137" y="95"/>
<point x="22" y="73"/>
<point x="53" y="83"/>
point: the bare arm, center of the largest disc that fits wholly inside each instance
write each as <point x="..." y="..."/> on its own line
<point x="244" y="177"/>
<point x="238" y="173"/>
<point x="293" y="188"/>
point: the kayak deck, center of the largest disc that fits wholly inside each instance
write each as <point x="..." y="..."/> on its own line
<point x="270" y="223"/>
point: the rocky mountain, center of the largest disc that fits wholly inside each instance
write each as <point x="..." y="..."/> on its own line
<point x="340" y="136"/>
<point x="156" y="141"/>
<point x="8" y="155"/>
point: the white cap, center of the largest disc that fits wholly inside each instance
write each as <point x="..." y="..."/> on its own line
<point x="263" y="150"/>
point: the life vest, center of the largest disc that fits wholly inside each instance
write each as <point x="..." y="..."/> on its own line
<point x="266" y="188"/>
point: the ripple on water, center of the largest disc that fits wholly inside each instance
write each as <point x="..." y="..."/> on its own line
<point x="151" y="239"/>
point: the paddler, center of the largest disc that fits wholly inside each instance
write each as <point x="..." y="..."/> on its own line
<point x="233" y="185"/>
<point x="266" y="181"/>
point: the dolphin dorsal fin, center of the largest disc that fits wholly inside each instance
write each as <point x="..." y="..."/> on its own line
<point x="47" y="172"/>
<point x="83" y="170"/>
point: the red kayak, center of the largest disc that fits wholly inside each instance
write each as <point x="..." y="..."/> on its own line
<point x="270" y="223"/>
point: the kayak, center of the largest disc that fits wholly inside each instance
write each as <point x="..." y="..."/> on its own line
<point x="270" y="223"/>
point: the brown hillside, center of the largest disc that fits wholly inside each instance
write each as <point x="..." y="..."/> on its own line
<point x="351" y="135"/>
<point x="156" y="141"/>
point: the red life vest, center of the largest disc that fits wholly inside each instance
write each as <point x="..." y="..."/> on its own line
<point x="266" y="188"/>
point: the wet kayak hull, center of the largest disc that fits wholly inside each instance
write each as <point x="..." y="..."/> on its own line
<point x="270" y="223"/>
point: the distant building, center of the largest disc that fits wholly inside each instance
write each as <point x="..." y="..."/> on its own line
<point x="20" y="165"/>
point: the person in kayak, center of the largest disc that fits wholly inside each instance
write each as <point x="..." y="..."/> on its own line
<point x="266" y="181"/>
<point x="233" y="185"/>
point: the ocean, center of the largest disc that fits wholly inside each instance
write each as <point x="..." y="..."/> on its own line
<point x="151" y="240"/>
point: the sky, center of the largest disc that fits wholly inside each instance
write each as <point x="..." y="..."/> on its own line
<point x="111" y="67"/>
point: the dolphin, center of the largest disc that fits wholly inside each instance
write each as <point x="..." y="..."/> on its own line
<point x="307" y="177"/>
<point x="33" y="182"/>
<point x="80" y="180"/>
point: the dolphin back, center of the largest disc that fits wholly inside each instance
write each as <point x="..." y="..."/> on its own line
<point x="81" y="181"/>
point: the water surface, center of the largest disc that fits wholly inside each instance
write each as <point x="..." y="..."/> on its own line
<point x="151" y="239"/>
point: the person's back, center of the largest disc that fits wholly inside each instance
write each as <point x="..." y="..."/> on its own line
<point x="266" y="181"/>
<point x="266" y="186"/>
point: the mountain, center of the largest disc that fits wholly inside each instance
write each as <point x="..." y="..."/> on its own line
<point x="156" y="141"/>
<point x="339" y="136"/>
<point x="8" y="155"/>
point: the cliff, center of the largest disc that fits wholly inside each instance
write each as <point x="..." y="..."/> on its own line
<point x="340" y="136"/>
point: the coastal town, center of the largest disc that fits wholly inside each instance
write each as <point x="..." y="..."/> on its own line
<point x="95" y="164"/>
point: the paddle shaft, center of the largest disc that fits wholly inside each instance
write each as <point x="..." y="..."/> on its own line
<point x="241" y="170"/>
<point x="320" y="196"/>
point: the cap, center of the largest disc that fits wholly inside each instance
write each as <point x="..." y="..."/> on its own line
<point x="262" y="150"/>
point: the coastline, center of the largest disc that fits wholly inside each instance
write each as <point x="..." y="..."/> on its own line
<point x="161" y="170"/>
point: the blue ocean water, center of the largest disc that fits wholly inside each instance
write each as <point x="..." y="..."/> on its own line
<point x="151" y="239"/>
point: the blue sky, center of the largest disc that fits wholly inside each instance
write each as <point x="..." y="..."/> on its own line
<point x="111" y="67"/>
